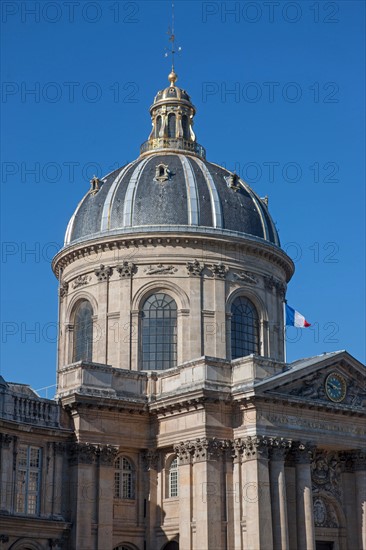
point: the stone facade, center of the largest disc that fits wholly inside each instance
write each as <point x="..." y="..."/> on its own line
<point x="219" y="451"/>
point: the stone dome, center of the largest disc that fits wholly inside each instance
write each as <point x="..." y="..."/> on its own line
<point x="171" y="187"/>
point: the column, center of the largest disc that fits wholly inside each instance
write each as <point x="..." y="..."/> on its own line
<point x="237" y="495"/>
<point x="128" y="320"/>
<point x="100" y="328"/>
<point x="278" y="498"/>
<point x="82" y="495"/>
<point x="290" y="474"/>
<point x="151" y="463"/>
<point x="106" y="457"/>
<point x="360" y="478"/>
<point x="7" y="471"/>
<point x="58" y="493"/>
<point x="183" y="452"/>
<point x="194" y="348"/>
<point x="256" y="494"/>
<point x="304" y="499"/>
<point x="220" y="271"/>
<point x="207" y="483"/>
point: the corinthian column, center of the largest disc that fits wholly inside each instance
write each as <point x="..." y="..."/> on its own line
<point x="256" y="494"/>
<point x="304" y="499"/>
<point x="278" y="496"/>
<point x="183" y="452"/>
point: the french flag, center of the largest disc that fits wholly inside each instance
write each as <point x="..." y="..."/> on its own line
<point x="295" y="319"/>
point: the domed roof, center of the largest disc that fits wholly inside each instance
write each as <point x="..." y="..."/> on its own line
<point x="171" y="186"/>
<point x="171" y="192"/>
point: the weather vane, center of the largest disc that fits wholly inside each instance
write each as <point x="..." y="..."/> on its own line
<point x="172" y="50"/>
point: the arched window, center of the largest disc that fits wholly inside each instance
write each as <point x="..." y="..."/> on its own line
<point x="83" y="332"/>
<point x="244" y="328"/>
<point x="173" y="478"/>
<point x="159" y="332"/>
<point x="158" y="126"/>
<point x="124" y="479"/>
<point x="185" y="126"/>
<point x="171" y="126"/>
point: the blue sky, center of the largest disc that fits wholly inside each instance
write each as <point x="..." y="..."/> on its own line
<point x="279" y="94"/>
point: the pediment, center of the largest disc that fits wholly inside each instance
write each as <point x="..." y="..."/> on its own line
<point x="336" y="379"/>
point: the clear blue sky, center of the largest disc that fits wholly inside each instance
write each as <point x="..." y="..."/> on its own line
<point x="293" y="127"/>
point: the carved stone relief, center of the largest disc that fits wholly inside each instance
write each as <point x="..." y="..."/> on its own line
<point x="81" y="280"/>
<point x="326" y="473"/>
<point x="160" y="269"/>
<point x="246" y="277"/>
<point x="324" y="514"/>
<point x="219" y="270"/>
<point x="64" y="287"/>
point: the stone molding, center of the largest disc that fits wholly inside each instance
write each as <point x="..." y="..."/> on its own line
<point x="219" y="270"/>
<point x="303" y="453"/>
<point x="150" y="460"/>
<point x="271" y="283"/>
<point x="86" y="453"/>
<point x="200" y="450"/>
<point x="84" y="250"/>
<point x="6" y="440"/>
<point x="251" y="447"/>
<point x="195" y="268"/>
<point x="126" y="269"/>
<point x="103" y="272"/>
<point x="254" y="447"/>
<point x="63" y="289"/>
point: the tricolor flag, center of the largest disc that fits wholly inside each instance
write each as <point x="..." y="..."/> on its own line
<point x="295" y="319"/>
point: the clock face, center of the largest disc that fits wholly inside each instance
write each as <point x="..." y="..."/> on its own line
<point x="335" y="387"/>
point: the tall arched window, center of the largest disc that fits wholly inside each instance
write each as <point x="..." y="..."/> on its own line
<point x="124" y="480"/>
<point x="83" y="332"/>
<point x="171" y="126"/>
<point x="244" y="328"/>
<point x="159" y="332"/>
<point x="173" y="478"/>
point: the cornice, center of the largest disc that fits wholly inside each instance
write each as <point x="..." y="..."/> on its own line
<point x="109" y="242"/>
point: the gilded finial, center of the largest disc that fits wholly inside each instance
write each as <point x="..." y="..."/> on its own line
<point x="173" y="77"/>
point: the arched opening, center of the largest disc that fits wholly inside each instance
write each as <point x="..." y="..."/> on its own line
<point x="185" y="126"/>
<point x="159" y="332"/>
<point x="83" y="332"/>
<point x="171" y="125"/>
<point x="158" y="126"/>
<point x="244" y="328"/>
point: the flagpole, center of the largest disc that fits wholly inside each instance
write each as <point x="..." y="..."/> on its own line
<point x="284" y="329"/>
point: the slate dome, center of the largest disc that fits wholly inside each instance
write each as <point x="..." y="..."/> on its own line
<point x="171" y="186"/>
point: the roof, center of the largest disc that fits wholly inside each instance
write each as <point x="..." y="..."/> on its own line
<point x="168" y="189"/>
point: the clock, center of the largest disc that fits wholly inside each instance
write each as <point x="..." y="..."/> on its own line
<point x="335" y="387"/>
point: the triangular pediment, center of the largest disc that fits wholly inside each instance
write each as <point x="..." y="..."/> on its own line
<point x="336" y="379"/>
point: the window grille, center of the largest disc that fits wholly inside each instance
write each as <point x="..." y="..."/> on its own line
<point x="28" y="480"/>
<point x="159" y="332"/>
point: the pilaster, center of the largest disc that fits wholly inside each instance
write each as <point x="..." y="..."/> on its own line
<point x="304" y="498"/>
